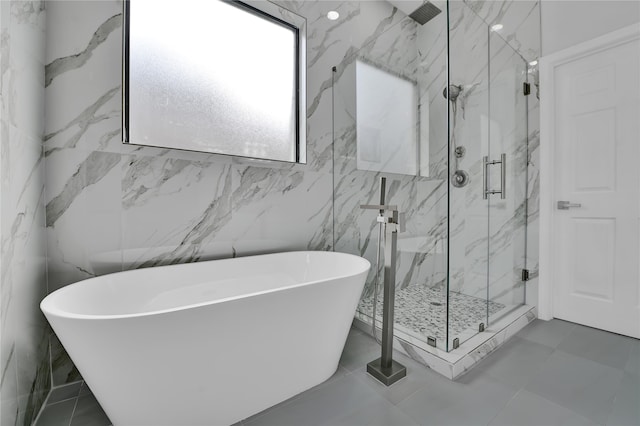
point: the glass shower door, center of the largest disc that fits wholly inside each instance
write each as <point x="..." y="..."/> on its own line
<point x="487" y="176"/>
<point x="508" y="150"/>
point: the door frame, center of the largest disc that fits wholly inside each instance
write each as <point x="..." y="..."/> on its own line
<point x="548" y="65"/>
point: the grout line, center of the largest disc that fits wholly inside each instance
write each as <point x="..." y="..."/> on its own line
<point x="505" y="405"/>
<point x="73" y="413"/>
<point x="42" y="407"/>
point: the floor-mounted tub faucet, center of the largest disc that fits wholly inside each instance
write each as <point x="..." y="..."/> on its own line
<point x="385" y="369"/>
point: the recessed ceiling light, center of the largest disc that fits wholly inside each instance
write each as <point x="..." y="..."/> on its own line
<point x="333" y="15"/>
<point x="497" y="27"/>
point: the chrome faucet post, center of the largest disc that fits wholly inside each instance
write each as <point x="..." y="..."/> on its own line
<point x="385" y="369"/>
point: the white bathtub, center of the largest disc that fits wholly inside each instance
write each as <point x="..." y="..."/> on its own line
<point x="208" y="343"/>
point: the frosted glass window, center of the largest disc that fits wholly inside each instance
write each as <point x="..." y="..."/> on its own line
<point x="215" y="76"/>
<point x="386" y="121"/>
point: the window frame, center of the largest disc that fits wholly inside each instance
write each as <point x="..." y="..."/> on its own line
<point x="263" y="9"/>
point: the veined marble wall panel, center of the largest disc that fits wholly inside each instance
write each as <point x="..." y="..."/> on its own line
<point x="112" y="206"/>
<point x="166" y="216"/>
<point x="432" y="74"/>
<point x="83" y="206"/>
<point x="24" y="348"/>
<point x="520" y="20"/>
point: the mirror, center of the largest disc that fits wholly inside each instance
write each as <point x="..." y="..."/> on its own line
<point x="224" y="77"/>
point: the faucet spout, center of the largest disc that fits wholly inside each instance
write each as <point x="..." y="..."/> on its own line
<point x="381" y="207"/>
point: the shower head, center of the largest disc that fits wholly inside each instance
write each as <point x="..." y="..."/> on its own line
<point x="425" y="13"/>
<point x="453" y="92"/>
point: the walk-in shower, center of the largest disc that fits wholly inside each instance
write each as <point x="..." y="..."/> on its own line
<point x="447" y="159"/>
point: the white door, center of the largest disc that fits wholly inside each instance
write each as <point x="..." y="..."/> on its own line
<point x="596" y="273"/>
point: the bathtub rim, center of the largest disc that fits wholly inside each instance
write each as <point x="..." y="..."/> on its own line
<point x="47" y="305"/>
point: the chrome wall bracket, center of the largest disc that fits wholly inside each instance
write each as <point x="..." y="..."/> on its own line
<point x="503" y="177"/>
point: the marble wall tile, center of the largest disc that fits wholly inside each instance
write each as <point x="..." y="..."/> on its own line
<point x="172" y="211"/>
<point x="112" y="207"/>
<point x="24" y="348"/>
<point x="85" y="208"/>
<point x="520" y="20"/>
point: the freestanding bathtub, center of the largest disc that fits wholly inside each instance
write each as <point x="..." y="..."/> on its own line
<point x="208" y="343"/>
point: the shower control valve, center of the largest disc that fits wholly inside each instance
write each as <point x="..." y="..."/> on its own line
<point x="398" y="224"/>
<point x="389" y="216"/>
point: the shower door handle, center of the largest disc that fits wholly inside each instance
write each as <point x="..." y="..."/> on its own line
<point x="485" y="191"/>
<point x="503" y="177"/>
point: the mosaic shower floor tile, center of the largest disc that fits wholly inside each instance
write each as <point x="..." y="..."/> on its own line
<point x="423" y="310"/>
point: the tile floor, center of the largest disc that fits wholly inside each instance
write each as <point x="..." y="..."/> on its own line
<point x="551" y="373"/>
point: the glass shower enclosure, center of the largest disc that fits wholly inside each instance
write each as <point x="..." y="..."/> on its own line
<point x="439" y="109"/>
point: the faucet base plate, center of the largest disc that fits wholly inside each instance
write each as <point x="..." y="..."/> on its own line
<point x="387" y="376"/>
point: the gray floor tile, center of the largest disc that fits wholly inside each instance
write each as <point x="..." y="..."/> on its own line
<point x="88" y="412"/>
<point x="338" y="399"/>
<point x="476" y="401"/>
<point x="84" y="390"/>
<point x="516" y="362"/>
<point x="598" y="345"/>
<point x="64" y="392"/>
<point x="417" y="377"/>
<point x="633" y="364"/>
<point x="264" y="412"/>
<point x="561" y="388"/>
<point x="359" y="350"/>
<point x="549" y="333"/>
<point x="377" y="413"/>
<point x="340" y="372"/>
<point x="626" y="404"/>
<point x="581" y="385"/>
<point x="58" y="414"/>
<point x="528" y="409"/>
